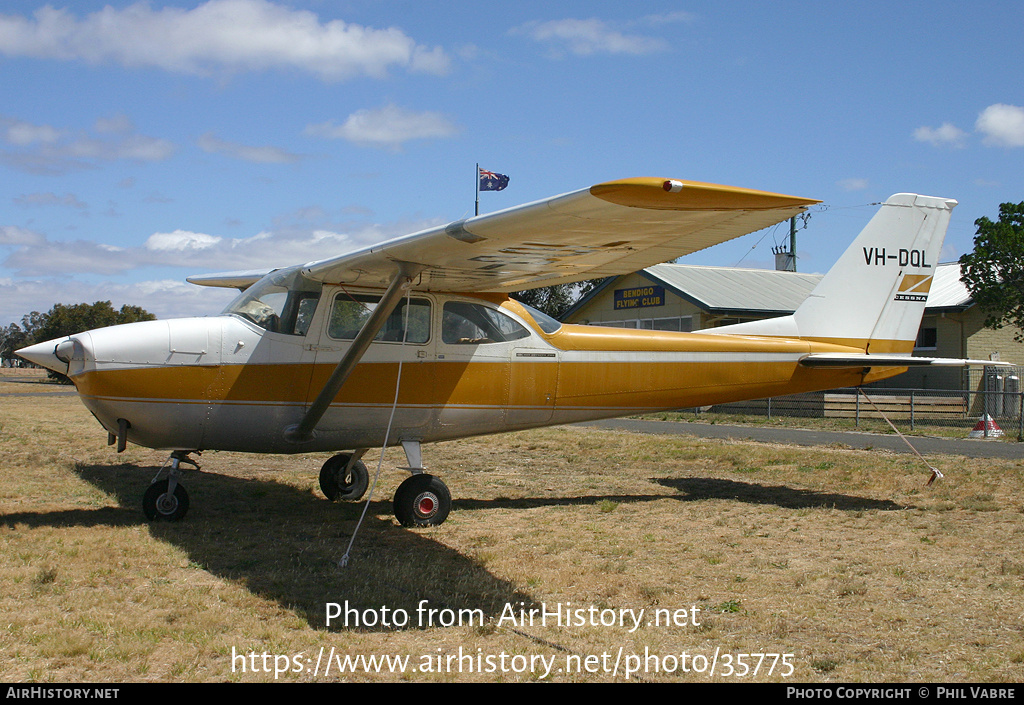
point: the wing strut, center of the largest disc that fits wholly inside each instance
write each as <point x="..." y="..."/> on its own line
<point x="303" y="431"/>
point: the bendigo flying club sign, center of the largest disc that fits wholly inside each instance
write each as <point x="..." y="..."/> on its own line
<point x="639" y="297"/>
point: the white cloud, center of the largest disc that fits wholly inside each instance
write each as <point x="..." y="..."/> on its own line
<point x="13" y="235"/>
<point x="1002" y="125"/>
<point x="118" y="125"/>
<point x="46" y="269"/>
<point x="434" y="61"/>
<point x="180" y="240"/>
<point x="219" y="35"/>
<point x="946" y="134"/>
<point x="20" y="133"/>
<point x="258" y="155"/>
<point x="590" y="36"/>
<point x="389" y="127"/>
<point x="42" y="149"/>
<point x="47" y="258"/>
<point x="853" y="184"/>
<point x="34" y="255"/>
<point x="163" y="298"/>
<point x="667" y="18"/>
<point x="49" y="199"/>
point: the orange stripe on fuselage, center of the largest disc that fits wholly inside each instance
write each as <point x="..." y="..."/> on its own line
<point x="601" y="338"/>
<point x="437" y="384"/>
<point x="605" y="339"/>
<point x="600" y="370"/>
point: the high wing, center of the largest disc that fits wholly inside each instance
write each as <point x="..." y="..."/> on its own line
<point x="609" y="229"/>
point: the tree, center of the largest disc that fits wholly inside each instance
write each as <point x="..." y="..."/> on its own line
<point x="556" y="300"/>
<point x="63" y="320"/>
<point x="11" y="338"/>
<point x="994" y="271"/>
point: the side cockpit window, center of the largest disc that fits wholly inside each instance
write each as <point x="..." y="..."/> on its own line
<point x="350" y="311"/>
<point x="472" y="324"/>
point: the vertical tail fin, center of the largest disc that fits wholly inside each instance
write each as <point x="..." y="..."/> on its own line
<point x="874" y="296"/>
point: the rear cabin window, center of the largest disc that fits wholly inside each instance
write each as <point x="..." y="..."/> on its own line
<point x="472" y="324"/>
<point x="350" y="311"/>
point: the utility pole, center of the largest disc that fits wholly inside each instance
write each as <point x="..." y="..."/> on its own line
<point x="792" y="241"/>
<point x="786" y="261"/>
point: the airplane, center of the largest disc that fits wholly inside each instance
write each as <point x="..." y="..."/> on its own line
<point x="416" y="340"/>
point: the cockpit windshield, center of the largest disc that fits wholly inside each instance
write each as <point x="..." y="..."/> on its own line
<point x="281" y="302"/>
<point x="547" y="323"/>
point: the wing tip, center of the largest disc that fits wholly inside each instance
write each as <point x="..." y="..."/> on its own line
<point x="676" y="194"/>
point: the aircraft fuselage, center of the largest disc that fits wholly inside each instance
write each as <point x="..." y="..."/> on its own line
<point x="226" y="383"/>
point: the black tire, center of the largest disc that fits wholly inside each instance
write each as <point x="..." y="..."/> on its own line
<point x="159" y="505"/>
<point x="334" y="484"/>
<point x="422" y="500"/>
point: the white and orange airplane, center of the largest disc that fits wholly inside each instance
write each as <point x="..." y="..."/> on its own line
<point x="416" y="340"/>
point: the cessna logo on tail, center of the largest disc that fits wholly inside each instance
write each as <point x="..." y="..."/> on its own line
<point x="914" y="287"/>
<point x="912" y="258"/>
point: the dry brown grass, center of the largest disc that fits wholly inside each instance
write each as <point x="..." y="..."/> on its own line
<point x="842" y="558"/>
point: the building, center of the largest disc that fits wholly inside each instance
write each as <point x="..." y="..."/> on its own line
<point x="690" y="298"/>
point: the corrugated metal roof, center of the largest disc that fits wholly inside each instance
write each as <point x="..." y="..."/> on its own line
<point x="723" y="289"/>
<point x="732" y="289"/>
<point x="947" y="290"/>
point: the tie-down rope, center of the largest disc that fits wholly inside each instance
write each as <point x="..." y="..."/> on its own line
<point x="936" y="475"/>
<point x="387" y="434"/>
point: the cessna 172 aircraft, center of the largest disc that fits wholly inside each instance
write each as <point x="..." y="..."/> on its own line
<point x="416" y="340"/>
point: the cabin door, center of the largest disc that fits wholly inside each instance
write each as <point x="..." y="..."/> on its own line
<point x="360" y="412"/>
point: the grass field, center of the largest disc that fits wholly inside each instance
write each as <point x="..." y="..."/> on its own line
<point x="843" y="561"/>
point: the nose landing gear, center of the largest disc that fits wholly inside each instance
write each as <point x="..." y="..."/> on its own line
<point x="161" y="503"/>
<point x="167" y="500"/>
<point x="344" y="477"/>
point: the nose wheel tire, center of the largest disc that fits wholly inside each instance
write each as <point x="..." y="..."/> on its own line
<point x="422" y="500"/>
<point x="160" y="505"/>
<point x="336" y="486"/>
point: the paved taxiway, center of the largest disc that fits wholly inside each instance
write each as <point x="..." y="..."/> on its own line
<point x="968" y="447"/>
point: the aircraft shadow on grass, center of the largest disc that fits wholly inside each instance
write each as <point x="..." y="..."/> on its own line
<point x="703" y="488"/>
<point x="284" y="544"/>
<point x="695" y="489"/>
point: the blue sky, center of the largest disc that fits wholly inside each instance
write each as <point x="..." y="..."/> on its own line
<point x="143" y="142"/>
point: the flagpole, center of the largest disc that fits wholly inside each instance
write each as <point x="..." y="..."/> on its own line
<point x="477" y="211"/>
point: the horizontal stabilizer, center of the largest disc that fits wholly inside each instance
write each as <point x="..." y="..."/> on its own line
<point x="868" y="360"/>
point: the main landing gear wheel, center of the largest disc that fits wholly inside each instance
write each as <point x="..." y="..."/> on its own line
<point x="335" y="485"/>
<point x="422" y="500"/>
<point x="161" y="505"/>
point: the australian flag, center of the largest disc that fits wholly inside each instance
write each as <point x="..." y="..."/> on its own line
<point x="492" y="181"/>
